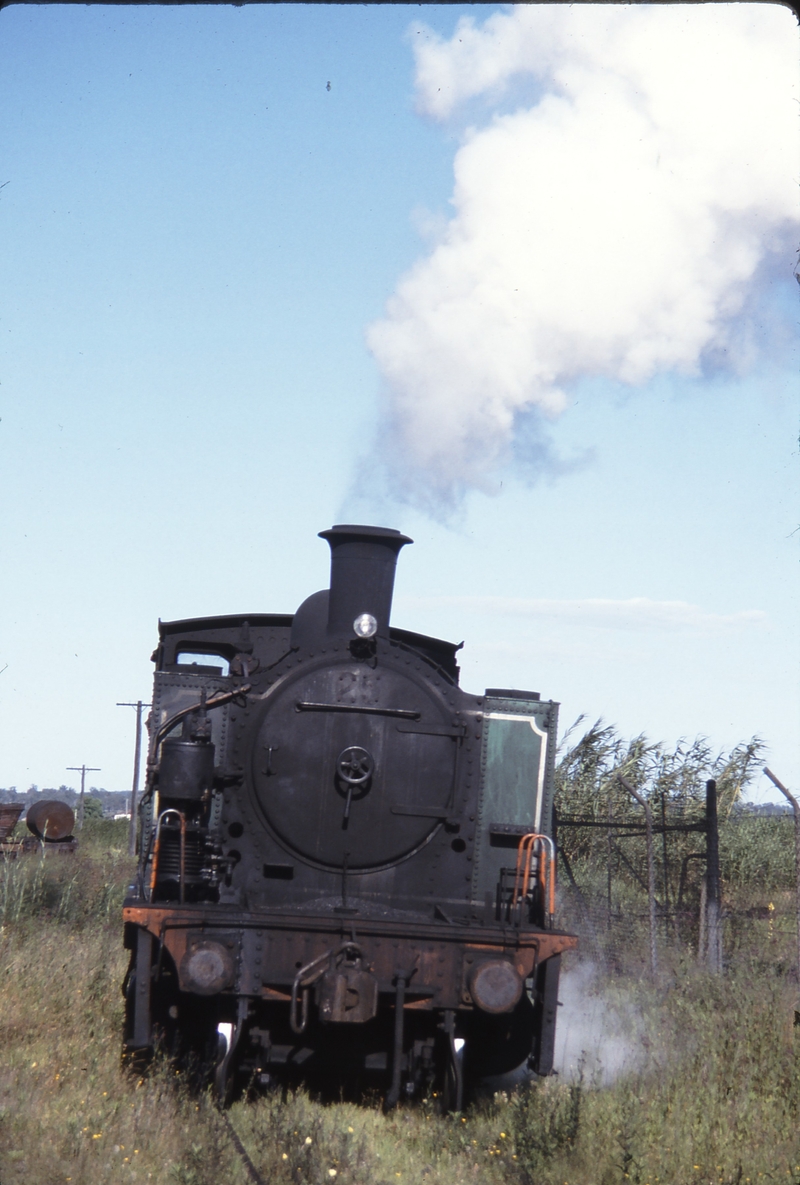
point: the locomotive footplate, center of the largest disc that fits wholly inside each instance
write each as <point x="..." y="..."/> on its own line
<point x="265" y="954"/>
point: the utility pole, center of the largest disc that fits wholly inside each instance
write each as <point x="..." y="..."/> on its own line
<point x="83" y="769"/>
<point x="713" y="891"/>
<point x="137" y="755"/>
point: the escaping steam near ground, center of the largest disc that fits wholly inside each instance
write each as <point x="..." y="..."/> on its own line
<point x="597" y="1034"/>
<point x="624" y="190"/>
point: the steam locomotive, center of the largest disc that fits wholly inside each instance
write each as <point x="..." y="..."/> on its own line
<point x="346" y="874"/>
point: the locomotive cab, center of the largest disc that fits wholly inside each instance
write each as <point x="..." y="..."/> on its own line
<point x="346" y="872"/>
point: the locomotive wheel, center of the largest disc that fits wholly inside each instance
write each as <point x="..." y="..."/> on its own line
<point x="453" y="1086"/>
<point x="192" y="1040"/>
<point x="499" y="1049"/>
<point x="452" y="1067"/>
<point x="228" y="1040"/>
<point x="223" y="1072"/>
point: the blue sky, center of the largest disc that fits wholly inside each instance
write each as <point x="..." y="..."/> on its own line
<point x="197" y="239"/>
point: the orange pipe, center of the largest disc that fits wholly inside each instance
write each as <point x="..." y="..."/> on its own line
<point x="522" y="872"/>
<point x="157" y="850"/>
<point x="546" y="871"/>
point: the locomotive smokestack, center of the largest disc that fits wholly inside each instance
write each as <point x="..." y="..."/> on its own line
<point x="363" y="561"/>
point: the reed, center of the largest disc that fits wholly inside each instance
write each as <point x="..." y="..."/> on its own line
<point x="712" y="1095"/>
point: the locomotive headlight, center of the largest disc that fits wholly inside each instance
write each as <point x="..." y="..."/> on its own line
<point x="365" y="626"/>
<point x="207" y="968"/>
<point x="496" y="986"/>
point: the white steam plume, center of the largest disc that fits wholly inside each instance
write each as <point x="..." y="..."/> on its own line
<point x="616" y="226"/>
<point x="599" y="1034"/>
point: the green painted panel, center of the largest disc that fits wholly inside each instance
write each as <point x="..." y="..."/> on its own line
<point x="516" y="783"/>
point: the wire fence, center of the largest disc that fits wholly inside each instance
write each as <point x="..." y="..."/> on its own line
<point x="606" y="878"/>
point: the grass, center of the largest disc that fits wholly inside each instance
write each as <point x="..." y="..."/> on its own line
<point x="717" y="1098"/>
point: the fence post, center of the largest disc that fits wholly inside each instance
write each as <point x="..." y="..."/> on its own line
<point x="667" y="925"/>
<point x="651" y="868"/>
<point x="796" y="809"/>
<point x="609" y="853"/>
<point x="713" y="895"/>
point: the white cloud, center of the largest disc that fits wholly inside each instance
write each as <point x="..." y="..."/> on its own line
<point x="616" y="227"/>
<point x="635" y="613"/>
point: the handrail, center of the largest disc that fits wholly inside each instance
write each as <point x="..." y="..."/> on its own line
<point x="157" y="851"/>
<point x="526" y="850"/>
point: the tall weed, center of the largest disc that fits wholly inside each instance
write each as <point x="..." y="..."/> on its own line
<point x="72" y="889"/>
<point x="544" y="1122"/>
<point x="712" y="1099"/>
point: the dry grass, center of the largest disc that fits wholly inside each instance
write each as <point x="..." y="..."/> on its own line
<point x="718" y="1100"/>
